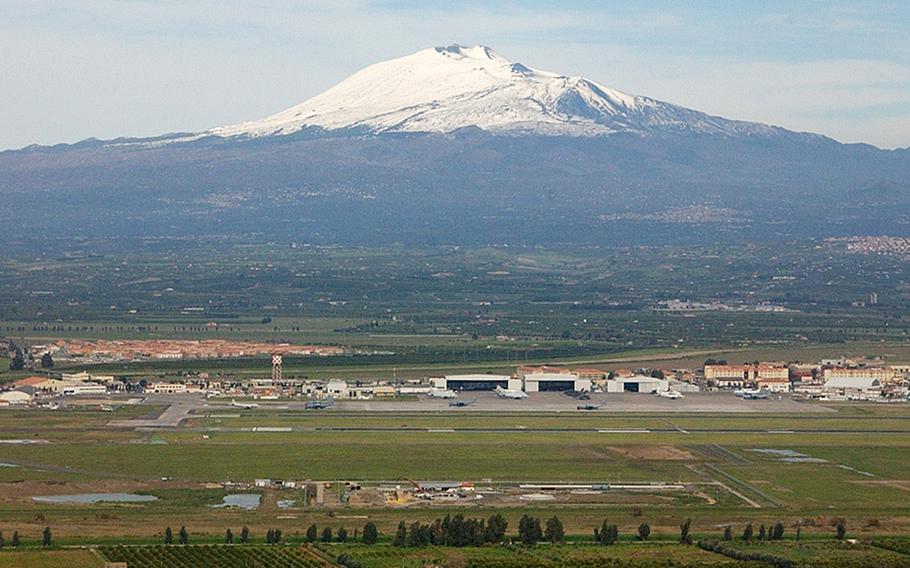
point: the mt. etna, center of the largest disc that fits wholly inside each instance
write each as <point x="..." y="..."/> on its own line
<point x="458" y="145"/>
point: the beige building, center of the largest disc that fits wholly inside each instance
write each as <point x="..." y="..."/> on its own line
<point x="881" y="374"/>
<point x="730" y="375"/>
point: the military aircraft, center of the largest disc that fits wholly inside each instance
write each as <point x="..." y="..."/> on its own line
<point x="751" y="393"/>
<point x="506" y="393"/>
<point x="462" y="403"/>
<point x="320" y="404"/>
<point x="589" y="406"/>
<point x="675" y="395"/>
<point x="244" y="405"/>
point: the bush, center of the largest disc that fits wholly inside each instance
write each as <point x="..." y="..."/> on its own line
<point x="755" y="556"/>
<point x="644" y="531"/>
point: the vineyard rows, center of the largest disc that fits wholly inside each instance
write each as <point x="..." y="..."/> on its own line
<point x="215" y="556"/>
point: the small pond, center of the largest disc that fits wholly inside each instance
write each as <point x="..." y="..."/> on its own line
<point x="248" y="501"/>
<point x="91" y="498"/>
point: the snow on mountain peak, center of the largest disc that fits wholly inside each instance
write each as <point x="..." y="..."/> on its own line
<point x="444" y="89"/>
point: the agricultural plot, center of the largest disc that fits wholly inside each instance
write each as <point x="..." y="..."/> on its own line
<point x="49" y="559"/>
<point x="215" y="556"/>
<point x="811" y="554"/>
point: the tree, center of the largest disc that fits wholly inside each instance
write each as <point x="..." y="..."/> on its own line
<point x="244" y="535"/>
<point x="777" y="531"/>
<point x="529" y="531"/>
<point x="269" y="536"/>
<point x="228" y="537"/>
<point x="2" y="542"/>
<point x="555" y="531"/>
<point x="761" y="532"/>
<point x="168" y="536"/>
<point x="644" y="531"/>
<point x="183" y="537"/>
<point x="276" y="536"/>
<point x="496" y="528"/>
<point x="342" y="534"/>
<point x="327" y="534"/>
<point x="17" y="363"/>
<point x="747" y="533"/>
<point x="47" y="362"/>
<point x="684" y="537"/>
<point x="46" y="537"/>
<point x="401" y="535"/>
<point x="841" y="530"/>
<point x="311" y="533"/>
<point x="370" y="534"/>
<point x="799" y="531"/>
<point x="612" y="535"/>
<point x="728" y="533"/>
<point x="16" y="542"/>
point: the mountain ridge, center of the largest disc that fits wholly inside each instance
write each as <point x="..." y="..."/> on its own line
<point x="444" y="89"/>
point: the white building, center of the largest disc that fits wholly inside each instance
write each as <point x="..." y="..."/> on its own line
<point x="477" y="382"/>
<point x="853" y="387"/>
<point x="637" y="383"/>
<point x="338" y="389"/>
<point x="165" y="388"/>
<point x="541" y="382"/>
<point x="83" y="389"/>
<point x="15" y="397"/>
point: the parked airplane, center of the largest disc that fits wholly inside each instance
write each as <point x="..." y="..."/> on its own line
<point x="320" y="404"/>
<point x="588" y="407"/>
<point x="506" y="393"/>
<point x="442" y="393"/>
<point x="675" y="395"/>
<point x="751" y="393"/>
<point x="244" y="405"/>
<point x="462" y="403"/>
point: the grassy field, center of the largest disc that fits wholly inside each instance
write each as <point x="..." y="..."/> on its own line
<point x="50" y="559"/>
<point x="863" y="476"/>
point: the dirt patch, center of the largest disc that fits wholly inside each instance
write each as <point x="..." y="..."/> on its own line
<point x="23" y="491"/>
<point x="659" y="453"/>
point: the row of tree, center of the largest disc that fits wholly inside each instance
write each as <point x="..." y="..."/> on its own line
<point x="16" y="541"/>
<point x="460" y="531"/>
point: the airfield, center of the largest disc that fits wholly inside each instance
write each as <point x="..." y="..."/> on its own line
<point x="710" y="456"/>
<point x="182" y="407"/>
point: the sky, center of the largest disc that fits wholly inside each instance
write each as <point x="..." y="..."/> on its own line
<point x="71" y="70"/>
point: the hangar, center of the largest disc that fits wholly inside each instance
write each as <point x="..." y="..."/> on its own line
<point x="479" y="382"/>
<point x="544" y="382"/>
<point x="637" y="383"/>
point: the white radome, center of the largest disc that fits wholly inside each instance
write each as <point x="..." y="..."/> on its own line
<point x="445" y="89"/>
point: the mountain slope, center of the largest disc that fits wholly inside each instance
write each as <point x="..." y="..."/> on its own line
<point x="457" y="145"/>
<point x="445" y="89"/>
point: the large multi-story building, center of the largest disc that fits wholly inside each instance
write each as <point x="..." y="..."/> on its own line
<point x="774" y="378"/>
<point x="730" y="375"/>
<point x="881" y="374"/>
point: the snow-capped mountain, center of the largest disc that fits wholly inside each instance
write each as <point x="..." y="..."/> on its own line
<point x="445" y="89"/>
<point x="506" y="154"/>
